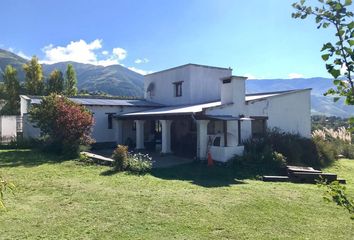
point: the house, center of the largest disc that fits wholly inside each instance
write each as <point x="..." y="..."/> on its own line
<point x="192" y="110"/>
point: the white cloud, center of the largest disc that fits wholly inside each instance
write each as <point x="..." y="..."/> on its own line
<point x="78" y="51"/>
<point x="144" y="60"/>
<point x="249" y="76"/>
<point x="19" y="53"/>
<point x="83" y="52"/>
<point x="140" y="71"/>
<point x="295" y="75"/>
<point x="120" y="53"/>
<point x="23" y="55"/>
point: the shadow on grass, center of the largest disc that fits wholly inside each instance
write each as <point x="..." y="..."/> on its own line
<point x="27" y="158"/>
<point x="202" y="175"/>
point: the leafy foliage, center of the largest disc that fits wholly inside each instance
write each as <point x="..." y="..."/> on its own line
<point x="55" y="82"/>
<point x="64" y="124"/>
<point x="339" y="55"/>
<point x="34" y="83"/>
<point x="337" y="193"/>
<point x="11" y="91"/>
<point x="4" y="186"/>
<point x="70" y="81"/>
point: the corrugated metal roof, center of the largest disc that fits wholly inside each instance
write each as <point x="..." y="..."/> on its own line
<point x="189" y="109"/>
<point x="106" y="102"/>
<point x="173" y="110"/>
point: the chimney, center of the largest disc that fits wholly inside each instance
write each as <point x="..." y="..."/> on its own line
<point x="233" y="90"/>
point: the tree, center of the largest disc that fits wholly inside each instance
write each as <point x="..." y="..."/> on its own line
<point x="70" y="81"/>
<point x="64" y="124"/>
<point x="55" y="82"/>
<point x="11" y="91"/>
<point x="34" y="77"/>
<point x="339" y="55"/>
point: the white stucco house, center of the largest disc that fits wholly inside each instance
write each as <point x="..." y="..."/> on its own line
<point x="192" y="110"/>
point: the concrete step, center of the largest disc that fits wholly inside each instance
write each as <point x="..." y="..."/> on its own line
<point x="310" y="177"/>
<point x="275" y="178"/>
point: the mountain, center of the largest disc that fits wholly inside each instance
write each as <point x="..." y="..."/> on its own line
<point x="115" y="80"/>
<point x="120" y="81"/>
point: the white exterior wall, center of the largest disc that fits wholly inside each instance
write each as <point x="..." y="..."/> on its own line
<point x="8" y="126"/>
<point x="206" y="84"/>
<point x="25" y="101"/>
<point x="290" y="112"/>
<point x="200" y="85"/>
<point x="100" y="132"/>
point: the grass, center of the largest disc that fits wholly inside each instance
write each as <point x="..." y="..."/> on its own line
<point x="64" y="199"/>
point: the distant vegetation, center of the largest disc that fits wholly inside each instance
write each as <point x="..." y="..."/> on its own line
<point x="332" y="122"/>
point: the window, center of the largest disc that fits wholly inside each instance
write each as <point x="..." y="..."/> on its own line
<point x="110" y="120"/>
<point x="178" y="88"/>
<point x="258" y="127"/>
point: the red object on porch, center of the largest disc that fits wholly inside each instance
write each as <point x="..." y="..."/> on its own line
<point x="210" y="160"/>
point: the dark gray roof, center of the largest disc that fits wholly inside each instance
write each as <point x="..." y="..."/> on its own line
<point x="104" y="102"/>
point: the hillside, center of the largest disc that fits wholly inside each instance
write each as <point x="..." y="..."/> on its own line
<point x="120" y="81"/>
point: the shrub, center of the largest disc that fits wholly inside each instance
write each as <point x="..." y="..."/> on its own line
<point x="133" y="162"/>
<point x="139" y="163"/>
<point x="276" y="149"/>
<point x="120" y="156"/>
<point x="326" y="152"/>
<point x="64" y="124"/>
<point x="348" y="151"/>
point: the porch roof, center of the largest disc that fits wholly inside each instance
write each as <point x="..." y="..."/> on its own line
<point x="170" y="111"/>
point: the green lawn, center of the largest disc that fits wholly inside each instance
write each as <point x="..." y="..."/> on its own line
<point x="57" y="199"/>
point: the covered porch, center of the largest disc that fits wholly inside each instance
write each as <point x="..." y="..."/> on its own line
<point x="184" y="131"/>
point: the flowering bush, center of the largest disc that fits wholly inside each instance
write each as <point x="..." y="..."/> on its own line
<point x="139" y="163"/>
<point x="64" y="124"/>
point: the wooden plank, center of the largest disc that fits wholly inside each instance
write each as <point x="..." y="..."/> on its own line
<point x="97" y="157"/>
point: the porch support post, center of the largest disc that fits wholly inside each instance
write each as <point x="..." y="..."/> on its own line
<point x="118" y="133"/>
<point x="202" y="139"/>
<point x="166" y="136"/>
<point x="224" y="123"/>
<point x="239" y="133"/>
<point x="139" y="134"/>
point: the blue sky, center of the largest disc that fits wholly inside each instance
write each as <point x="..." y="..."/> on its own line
<point x="257" y="38"/>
